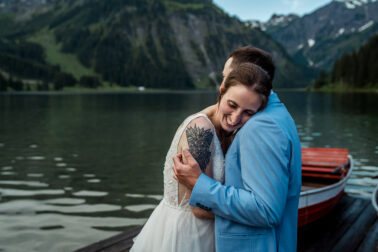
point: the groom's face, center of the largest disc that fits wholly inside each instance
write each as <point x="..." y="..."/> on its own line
<point x="226" y="71"/>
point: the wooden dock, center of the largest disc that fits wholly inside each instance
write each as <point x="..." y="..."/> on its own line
<point x="351" y="226"/>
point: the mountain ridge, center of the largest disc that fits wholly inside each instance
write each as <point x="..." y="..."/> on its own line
<point x="159" y="44"/>
<point x="317" y="39"/>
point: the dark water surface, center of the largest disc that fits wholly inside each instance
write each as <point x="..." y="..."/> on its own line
<point x="77" y="168"/>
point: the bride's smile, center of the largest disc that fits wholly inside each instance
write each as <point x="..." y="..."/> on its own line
<point x="236" y="106"/>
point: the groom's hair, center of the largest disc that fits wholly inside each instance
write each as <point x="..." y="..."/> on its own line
<point x="255" y="56"/>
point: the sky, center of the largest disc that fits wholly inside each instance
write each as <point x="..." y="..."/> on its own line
<point x="262" y="10"/>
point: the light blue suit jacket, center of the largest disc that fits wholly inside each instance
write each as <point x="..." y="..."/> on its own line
<point x="257" y="207"/>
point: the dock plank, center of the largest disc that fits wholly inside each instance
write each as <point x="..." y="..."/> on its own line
<point x="121" y="242"/>
<point x="323" y="234"/>
<point x="356" y="233"/>
<point x="370" y="243"/>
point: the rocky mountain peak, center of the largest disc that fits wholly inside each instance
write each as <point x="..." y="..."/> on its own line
<point x="275" y="20"/>
<point x="352" y="4"/>
<point x="320" y="37"/>
<point x="24" y="6"/>
<point x="278" y="19"/>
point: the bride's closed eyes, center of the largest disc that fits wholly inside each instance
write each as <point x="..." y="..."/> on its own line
<point x="234" y="105"/>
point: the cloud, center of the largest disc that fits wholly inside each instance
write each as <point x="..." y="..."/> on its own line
<point x="292" y="4"/>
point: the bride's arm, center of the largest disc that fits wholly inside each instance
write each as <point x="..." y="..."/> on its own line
<point x="198" y="138"/>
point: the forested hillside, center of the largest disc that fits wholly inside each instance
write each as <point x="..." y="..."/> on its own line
<point x="355" y="70"/>
<point x="169" y="44"/>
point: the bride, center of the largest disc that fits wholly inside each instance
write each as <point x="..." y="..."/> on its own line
<point x="174" y="225"/>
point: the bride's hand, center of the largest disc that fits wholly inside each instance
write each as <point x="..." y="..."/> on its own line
<point x="186" y="169"/>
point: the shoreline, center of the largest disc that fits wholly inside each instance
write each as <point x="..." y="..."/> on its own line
<point x="99" y="92"/>
<point x="370" y="91"/>
<point x="174" y="91"/>
<point x="338" y="89"/>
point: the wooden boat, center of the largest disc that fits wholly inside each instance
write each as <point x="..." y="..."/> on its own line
<point x="325" y="172"/>
<point x="374" y="199"/>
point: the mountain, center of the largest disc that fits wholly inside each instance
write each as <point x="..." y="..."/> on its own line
<point x="354" y="71"/>
<point x="153" y="43"/>
<point x="319" y="38"/>
<point x="275" y="20"/>
<point x="24" y="6"/>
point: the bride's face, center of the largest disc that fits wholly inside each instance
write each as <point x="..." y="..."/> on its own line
<point x="237" y="105"/>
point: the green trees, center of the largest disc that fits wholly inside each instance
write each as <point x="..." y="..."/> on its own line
<point x="23" y="60"/>
<point x="355" y="70"/>
<point x="129" y="50"/>
<point x="16" y="85"/>
<point x="3" y="83"/>
<point x="44" y="86"/>
<point x="89" y="81"/>
<point x="63" y="80"/>
<point x="22" y="49"/>
<point x="321" y="80"/>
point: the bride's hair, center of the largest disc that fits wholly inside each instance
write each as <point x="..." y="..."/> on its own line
<point x="249" y="75"/>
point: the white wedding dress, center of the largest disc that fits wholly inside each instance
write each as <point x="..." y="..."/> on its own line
<point x="172" y="227"/>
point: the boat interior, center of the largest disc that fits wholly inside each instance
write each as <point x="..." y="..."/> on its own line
<point x="323" y="166"/>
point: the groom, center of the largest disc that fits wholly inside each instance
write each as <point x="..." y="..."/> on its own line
<point x="257" y="207"/>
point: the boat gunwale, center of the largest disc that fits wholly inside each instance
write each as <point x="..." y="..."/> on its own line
<point x="332" y="186"/>
<point x="374" y="199"/>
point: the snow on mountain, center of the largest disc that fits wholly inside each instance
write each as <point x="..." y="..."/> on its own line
<point x="320" y="37"/>
<point x="281" y="19"/>
<point x="366" y="26"/>
<point x="275" y="20"/>
<point x="311" y="42"/>
<point x="351" y="4"/>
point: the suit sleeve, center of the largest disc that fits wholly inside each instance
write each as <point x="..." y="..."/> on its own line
<point x="263" y="158"/>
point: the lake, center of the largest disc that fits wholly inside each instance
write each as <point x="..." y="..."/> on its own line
<point x="78" y="168"/>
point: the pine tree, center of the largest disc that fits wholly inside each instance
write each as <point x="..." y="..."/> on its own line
<point x="321" y="80"/>
<point x="3" y="84"/>
<point x="358" y="69"/>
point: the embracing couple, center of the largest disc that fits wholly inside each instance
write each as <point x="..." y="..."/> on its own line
<point x="238" y="162"/>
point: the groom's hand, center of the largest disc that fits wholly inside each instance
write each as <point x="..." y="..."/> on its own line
<point x="186" y="169"/>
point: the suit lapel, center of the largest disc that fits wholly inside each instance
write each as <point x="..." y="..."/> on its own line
<point x="273" y="98"/>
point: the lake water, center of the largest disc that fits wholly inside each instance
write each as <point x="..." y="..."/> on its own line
<point x="78" y="168"/>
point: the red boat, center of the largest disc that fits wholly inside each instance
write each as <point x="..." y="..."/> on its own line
<point x="324" y="175"/>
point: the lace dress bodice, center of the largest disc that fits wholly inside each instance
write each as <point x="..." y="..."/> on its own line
<point x="170" y="184"/>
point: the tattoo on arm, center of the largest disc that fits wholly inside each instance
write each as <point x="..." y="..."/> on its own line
<point x="199" y="141"/>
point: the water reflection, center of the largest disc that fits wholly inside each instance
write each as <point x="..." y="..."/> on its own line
<point x="33" y="234"/>
<point x="34" y="206"/>
<point x="24" y="183"/>
<point x="339" y="121"/>
<point x="90" y="193"/>
<point x="21" y="193"/>
<point x="35" y="175"/>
